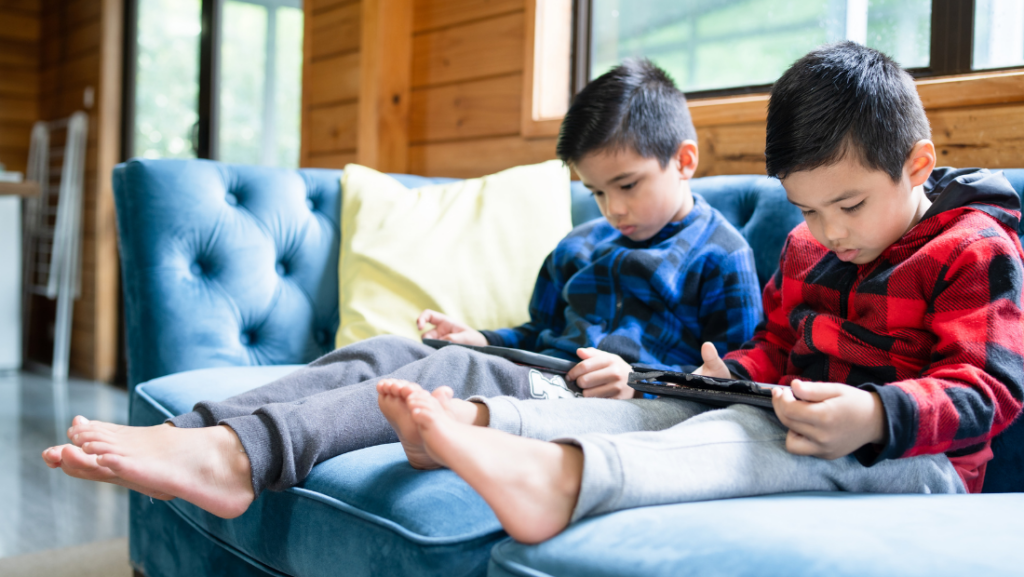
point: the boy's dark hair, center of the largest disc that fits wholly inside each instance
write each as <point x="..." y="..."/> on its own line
<point x="634" y="105"/>
<point x="841" y="99"/>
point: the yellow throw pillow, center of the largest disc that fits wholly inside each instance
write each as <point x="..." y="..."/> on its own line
<point x="470" y="249"/>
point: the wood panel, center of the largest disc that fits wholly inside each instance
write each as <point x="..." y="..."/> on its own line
<point x="472" y="158"/>
<point x="489" y="107"/>
<point x="334" y="80"/>
<point x="331" y="160"/>
<point x="32" y="6"/>
<point x="336" y="31"/>
<point x="333" y="128"/>
<point x="19" y="82"/>
<point x="80" y="47"/>
<point x="484" y="48"/>
<point x="432" y="14"/>
<point x="384" y="83"/>
<point x="20" y="26"/>
<point x="16" y="25"/>
<point x="318" y="7"/>
<point x="987" y="136"/>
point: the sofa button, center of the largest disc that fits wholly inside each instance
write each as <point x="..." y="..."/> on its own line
<point x="196" y="269"/>
<point x="246" y="338"/>
<point x="310" y="204"/>
<point x="322" y="337"/>
<point x="231" y="199"/>
<point x="281" y="269"/>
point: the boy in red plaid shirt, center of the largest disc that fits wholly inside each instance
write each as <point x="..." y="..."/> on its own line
<point x="895" y="318"/>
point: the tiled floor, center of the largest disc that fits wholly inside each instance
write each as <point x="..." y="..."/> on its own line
<point x="41" y="508"/>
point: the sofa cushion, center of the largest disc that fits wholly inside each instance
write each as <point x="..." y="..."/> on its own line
<point x="365" y="512"/>
<point x="788" y="535"/>
<point x="470" y="249"/>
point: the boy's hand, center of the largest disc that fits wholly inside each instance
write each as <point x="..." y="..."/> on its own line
<point x="449" y="329"/>
<point x="713" y="365"/>
<point x="601" y="374"/>
<point x="828" y="420"/>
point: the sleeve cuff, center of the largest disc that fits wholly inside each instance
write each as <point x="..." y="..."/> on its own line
<point x="736" y="368"/>
<point x="493" y="338"/>
<point x="900" y="425"/>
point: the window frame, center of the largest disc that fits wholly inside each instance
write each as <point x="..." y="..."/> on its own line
<point x="950" y="50"/>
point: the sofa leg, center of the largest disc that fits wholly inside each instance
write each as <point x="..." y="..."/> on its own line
<point x="137" y="573"/>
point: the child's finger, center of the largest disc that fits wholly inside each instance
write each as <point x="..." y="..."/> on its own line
<point x="597" y="378"/>
<point x="587" y="365"/>
<point x="800" y="445"/>
<point x="813" y="392"/>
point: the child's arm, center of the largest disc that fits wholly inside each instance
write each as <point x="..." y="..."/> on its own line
<point x="730" y="299"/>
<point x="763" y="358"/>
<point x="826" y="420"/>
<point x="547" y="311"/>
<point x="973" y="387"/>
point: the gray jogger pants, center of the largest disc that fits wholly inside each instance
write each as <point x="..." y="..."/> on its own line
<point x="329" y="407"/>
<point x="644" y="452"/>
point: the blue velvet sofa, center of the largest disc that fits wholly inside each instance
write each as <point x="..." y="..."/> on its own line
<point x="230" y="281"/>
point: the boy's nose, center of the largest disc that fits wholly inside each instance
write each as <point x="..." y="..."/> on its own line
<point x="617" y="208"/>
<point x="834" y="232"/>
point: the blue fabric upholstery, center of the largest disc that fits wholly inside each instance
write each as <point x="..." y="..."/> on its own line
<point x="367" y="511"/>
<point x="233" y="269"/>
<point x="833" y="534"/>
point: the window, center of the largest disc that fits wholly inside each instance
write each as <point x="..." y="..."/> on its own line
<point x="998" y="34"/>
<point x="725" y="46"/>
<point x="239" y="102"/>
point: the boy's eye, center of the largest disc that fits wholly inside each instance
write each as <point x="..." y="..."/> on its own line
<point x="628" y="186"/>
<point x="807" y="212"/>
<point x="596" y="193"/>
<point x="854" y="208"/>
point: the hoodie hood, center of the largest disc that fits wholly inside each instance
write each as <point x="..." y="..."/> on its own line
<point x="976" y="188"/>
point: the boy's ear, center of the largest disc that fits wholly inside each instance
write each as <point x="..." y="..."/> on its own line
<point x="921" y="162"/>
<point x="687" y="157"/>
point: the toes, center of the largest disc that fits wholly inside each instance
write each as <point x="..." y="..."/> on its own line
<point x="444" y="393"/>
<point x="90" y="436"/>
<point x="111" y="461"/>
<point x="79" y="420"/>
<point x="408" y="389"/>
<point x="98" y="448"/>
<point x="51" y="456"/>
<point x="76" y="463"/>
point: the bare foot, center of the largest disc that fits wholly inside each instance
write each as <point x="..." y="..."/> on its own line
<point x="76" y="463"/>
<point x="391" y="396"/>
<point x="206" y="466"/>
<point x="392" y="405"/>
<point x="531" y="485"/>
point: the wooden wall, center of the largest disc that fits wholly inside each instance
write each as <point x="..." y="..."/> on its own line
<point x="467" y="82"/>
<point x="19" y="78"/>
<point x="466" y="96"/>
<point x="976" y="119"/>
<point x="330" y="82"/>
<point x="466" y="87"/>
<point x="80" y="50"/>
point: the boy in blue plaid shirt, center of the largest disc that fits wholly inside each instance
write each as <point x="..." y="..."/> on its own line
<point x="662" y="273"/>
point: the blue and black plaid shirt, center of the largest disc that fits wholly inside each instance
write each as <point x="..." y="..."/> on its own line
<point x="651" y="302"/>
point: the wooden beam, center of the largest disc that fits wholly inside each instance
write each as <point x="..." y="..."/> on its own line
<point x="384" y="84"/>
<point x="108" y="149"/>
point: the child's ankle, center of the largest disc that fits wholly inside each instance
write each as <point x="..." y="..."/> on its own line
<point x="469" y="413"/>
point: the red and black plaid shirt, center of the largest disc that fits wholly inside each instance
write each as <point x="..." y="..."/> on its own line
<point x="933" y="325"/>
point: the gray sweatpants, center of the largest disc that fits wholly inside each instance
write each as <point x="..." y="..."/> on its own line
<point x="645" y="452"/>
<point x="329" y="407"/>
